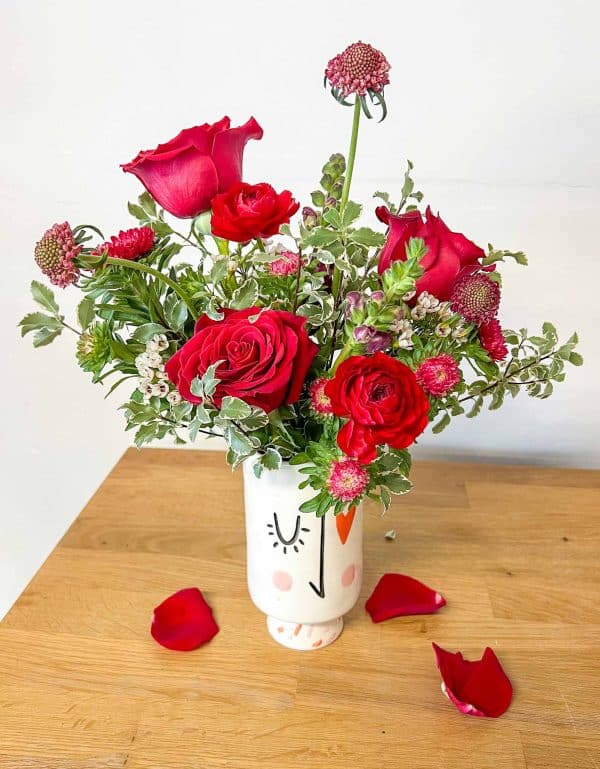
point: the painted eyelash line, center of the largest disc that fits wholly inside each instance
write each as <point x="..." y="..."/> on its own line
<point x="275" y="531"/>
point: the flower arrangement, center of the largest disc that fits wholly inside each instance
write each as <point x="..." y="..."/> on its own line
<point x="325" y="343"/>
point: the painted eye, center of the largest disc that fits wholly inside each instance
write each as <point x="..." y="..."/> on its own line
<point x="293" y="541"/>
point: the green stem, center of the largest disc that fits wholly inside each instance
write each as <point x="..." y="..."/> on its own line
<point x="351" y="155"/>
<point x="222" y="245"/>
<point x="344" y="353"/>
<point x="158" y="275"/>
<point x="337" y="275"/>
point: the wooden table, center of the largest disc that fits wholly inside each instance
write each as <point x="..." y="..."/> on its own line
<point x="514" y="550"/>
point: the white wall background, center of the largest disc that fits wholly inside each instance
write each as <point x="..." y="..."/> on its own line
<point x="496" y="104"/>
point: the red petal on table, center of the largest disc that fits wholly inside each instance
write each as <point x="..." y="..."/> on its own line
<point x="183" y="621"/>
<point x="397" y="595"/>
<point x="477" y="688"/>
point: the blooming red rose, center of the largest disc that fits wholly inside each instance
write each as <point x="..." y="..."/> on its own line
<point x="248" y="211"/>
<point x="449" y="254"/>
<point x="383" y="402"/>
<point x="185" y="174"/>
<point x="264" y="364"/>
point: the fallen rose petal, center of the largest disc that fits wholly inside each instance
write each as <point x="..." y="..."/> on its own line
<point x="183" y="621"/>
<point x="397" y="595"/>
<point x="476" y="688"/>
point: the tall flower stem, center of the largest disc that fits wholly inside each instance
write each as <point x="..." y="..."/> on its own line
<point x="337" y="275"/>
<point x="351" y="155"/>
<point x="127" y="263"/>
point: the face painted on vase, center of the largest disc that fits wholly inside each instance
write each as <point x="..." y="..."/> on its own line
<point x="326" y="565"/>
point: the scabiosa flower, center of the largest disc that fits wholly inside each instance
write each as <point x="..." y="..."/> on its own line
<point x="492" y="340"/>
<point x="438" y="375"/>
<point x="55" y="253"/>
<point x="347" y="479"/>
<point x="129" y="244"/>
<point x="358" y="69"/>
<point x="476" y="297"/>
<point x="319" y="401"/>
<point x="287" y="264"/>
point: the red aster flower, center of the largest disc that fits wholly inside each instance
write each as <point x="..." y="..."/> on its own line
<point x="476" y="297"/>
<point x="492" y="340"/>
<point x="397" y="595"/>
<point x="319" y="400"/>
<point x="438" y="375"/>
<point x="347" y="479"/>
<point x="478" y="688"/>
<point x="360" y="68"/>
<point x="54" y="254"/>
<point x="183" y="621"/>
<point x="129" y="244"/>
<point x="287" y="264"/>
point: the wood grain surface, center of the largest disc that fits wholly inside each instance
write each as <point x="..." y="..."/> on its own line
<point x="513" y="550"/>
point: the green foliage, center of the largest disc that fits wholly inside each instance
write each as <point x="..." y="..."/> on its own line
<point x="134" y="315"/>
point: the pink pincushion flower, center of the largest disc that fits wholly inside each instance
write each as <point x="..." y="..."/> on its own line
<point x="129" y="244"/>
<point x="476" y="297"/>
<point x="287" y="264"/>
<point x="358" y="69"/>
<point x="492" y="340"/>
<point x="438" y="375"/>
<point x="54" y="254"/>
<point x="347" y="479"/>
<point x="319" y="400"/>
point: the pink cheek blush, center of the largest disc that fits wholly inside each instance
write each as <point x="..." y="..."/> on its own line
<point x="348" y="575"/>
<point x="282" y="580"/>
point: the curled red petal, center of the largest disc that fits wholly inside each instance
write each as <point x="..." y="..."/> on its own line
<point x="397" y="595"/>
<point x="183" y="621"/>
<point x="476" y="688"/>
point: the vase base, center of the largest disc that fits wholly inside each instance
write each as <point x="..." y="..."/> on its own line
<point x="303" y="636"/>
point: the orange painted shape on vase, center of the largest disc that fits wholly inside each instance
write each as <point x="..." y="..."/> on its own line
<point x="343" y="524"/>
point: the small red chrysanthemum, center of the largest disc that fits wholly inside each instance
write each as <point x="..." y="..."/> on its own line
<point x="287" y="264"/>
<point x="360" y="68"/>
<point x="319" y="400"/>
<point x="492" y="340"/>
<point x="438" y="375"/>
<point x="476" y="297"/>
<point x="129" y="244"/>
<point x="54" y="254"/>
<point x="347" y="479"/>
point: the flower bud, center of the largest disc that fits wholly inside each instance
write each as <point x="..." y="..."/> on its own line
<point x="309" y="217"/>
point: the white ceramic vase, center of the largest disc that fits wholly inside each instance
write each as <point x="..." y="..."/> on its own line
<point x="304" y="572"/>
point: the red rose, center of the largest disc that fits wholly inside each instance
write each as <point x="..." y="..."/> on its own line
<point x="383" y="403"/>
<point x="248" y="211"/>
<point x="449" y="253"/>
<point x="264" y="364"/>
<point x="185" y="174"/>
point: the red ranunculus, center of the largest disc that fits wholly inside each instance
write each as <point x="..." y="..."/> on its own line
<point x="185" y="174"/>
<point x="449" y="254"/>
<point x="248" y="211"/>
<point x="383" y="402"/>
<point x="264" y="364"/>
